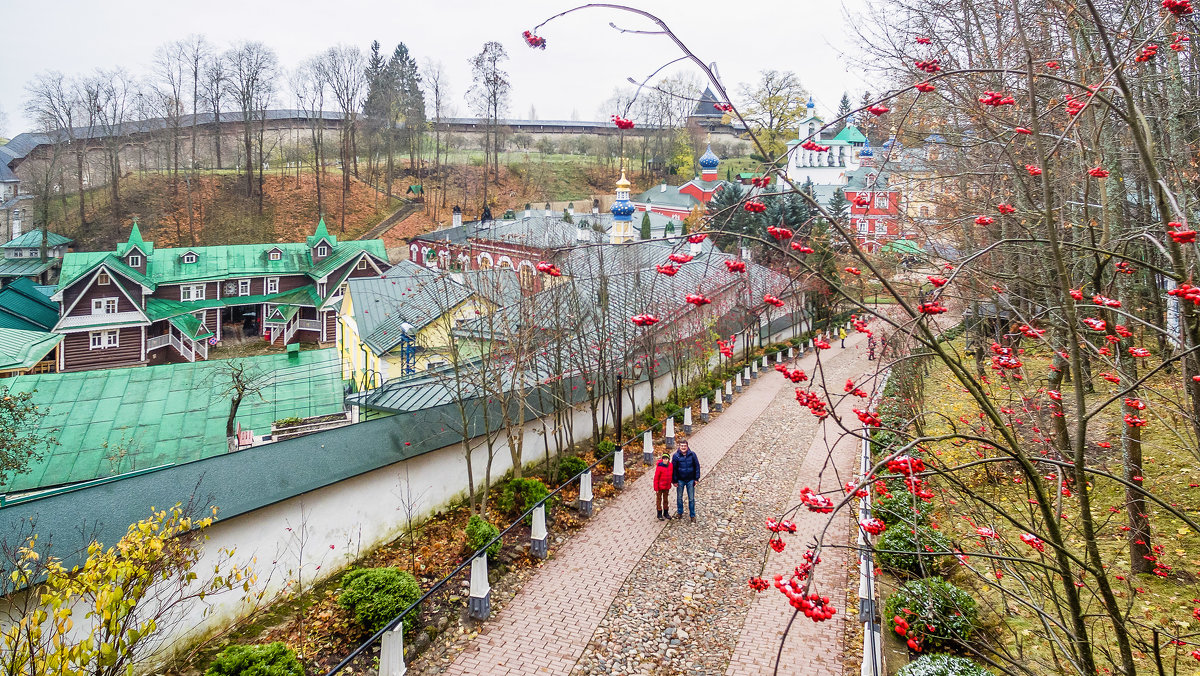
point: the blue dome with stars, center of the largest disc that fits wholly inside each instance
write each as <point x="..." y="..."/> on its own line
<point x="709" y="160"/>
<point x="866" y="150"/>
<point x="622" y="209"/>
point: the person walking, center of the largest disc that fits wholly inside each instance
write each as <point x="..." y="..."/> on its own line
<point x="842" y="335"/>
<point x="685" y="472"/>
<point x="662" y="487"/>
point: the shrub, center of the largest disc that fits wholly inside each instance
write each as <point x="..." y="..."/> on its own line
<point x="673" y="410"/>
<point x="941" y="664"/>
<point x="938" y="614"/>
<point x="376" y="595"/>
<point x="288" y="422"/>
<point x="479" y="533"/>
<point x="570" y="466"/>
<point x="269" y="659"/>
<point x="520" y="495"/>
<point x="917" y="551"/>
<point x="900" y="509"/>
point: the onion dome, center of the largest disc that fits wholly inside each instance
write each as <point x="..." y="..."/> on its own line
<point x="622" y="208"/>
<point x="709" y="160"/>
<point x="866" y="150"/>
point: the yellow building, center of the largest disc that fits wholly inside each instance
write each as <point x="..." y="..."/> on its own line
<point x="401" y="323"/>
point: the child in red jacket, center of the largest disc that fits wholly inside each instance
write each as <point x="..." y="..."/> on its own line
<point x="662" y="486"/>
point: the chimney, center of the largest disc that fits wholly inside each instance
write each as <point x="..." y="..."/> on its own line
<point x="457" y="218"/>
<point x="746" y="254"/>
<point x="571" y="208"/>
<point x="582" y="234"/>
<point x="694" y="248"/>
<point x="596" y="207"/>
<point x="548" y="212"/>
<point x="528" y="210"/>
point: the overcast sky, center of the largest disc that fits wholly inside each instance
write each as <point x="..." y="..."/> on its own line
<point x="585" y="58"/>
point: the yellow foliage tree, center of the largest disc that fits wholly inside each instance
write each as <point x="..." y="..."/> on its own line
<point x="125" y="595"/>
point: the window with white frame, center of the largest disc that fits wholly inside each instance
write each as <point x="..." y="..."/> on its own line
<point x="104" y="306"/>
<point x="275" y="255"/>
<point x="33" y="252"/>
<point x="881" y="200"/>
<point x="362" y="264"/>
<point x="189" y="258"/>
<point x="881" y="227"/>
<point x="99" y="340"/>
<point x="134" y="261"/>
<point x="272" y="285"/>
<point x="243" y="287"/>
<point x="18" y="253"/>
<point x="103" y="279"/>
<point x="191" y="292"/>
<point x="322" y="251"/>
<point x="863" y="225"/>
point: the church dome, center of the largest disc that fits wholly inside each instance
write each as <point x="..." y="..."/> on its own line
<point x="709" y="160"/>
<point x="622" y="208"/>
<point x="866" y="150"/>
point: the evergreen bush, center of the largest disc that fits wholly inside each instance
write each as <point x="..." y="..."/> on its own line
<point x="900" y="510"/>
<point x="268" y="659"/>
<point x="520" y="495"/>
<point x="570" y="466"/>
<point x="941" y="664"/>
<point x="938" y="614"/>
<point x="377" y="595"/>
<point x="916" y="551"/>
<point x="479" y="533"/>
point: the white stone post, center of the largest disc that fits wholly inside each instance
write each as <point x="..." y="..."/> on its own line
<point x="669" y="435"/>
<point x="791" y="353"/>
<point x="728" y="392"/>
<point x="754" y="370"/>
<point x="746" y="376"/>
<point x="585" y="493"/>
<point x="480" y="604"/>
<point x="538" y="537"/>
<point x="648" y="447"/>
<point x="779" y="357"/>
<point x="704" y="408"/>
<point x="619" y="468"/>
<point x="391" y="653"/>
<point x="737" y="382"/>
<point x="687" y="420"/>
<point x="763" y="366"/>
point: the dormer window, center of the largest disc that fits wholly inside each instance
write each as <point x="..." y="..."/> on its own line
<point x="189" y="257"/>
<point x="103" y="279"/>
<point x="134" y="261"/>
<point x="322" y="251"/>
<point x="362" y="264"/>
<point x="275" y="255"/>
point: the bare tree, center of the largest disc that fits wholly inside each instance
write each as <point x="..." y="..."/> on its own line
<point x="59" y="105"/>
<point x="252" y="67"/>
<point x="241" y="379"/>
<point x="115" y="95"/>
<point x="344" y="70"/>
<point x="434" y="75"/>
<point x="214" y="80"/>
<point x="308" y="86"/>
<point x="488" y="97"/>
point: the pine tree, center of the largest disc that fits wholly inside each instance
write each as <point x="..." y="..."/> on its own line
<point x="567" y="217"/>
<point x="838" y="205"/>
<point x="843" y="111"/>
<point x="864" y="121"/>
<point x="645" y="234"/>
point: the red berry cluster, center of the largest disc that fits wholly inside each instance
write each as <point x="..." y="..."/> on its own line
<point x="1006" y="208"/>
<point x="868" y="418"/>
<point x="548" y="268"/>
<point x="723" y="107"/>
<point x="1093" y="323"/>
<point x="820" y="344"/>
<point x="991" y="98"/>
<point x="924" y="87"/>
<point x="815" y="502"/>
<point x="1110" y="377"/>
<point x="906" y="465"/>
<point x="697" y="299"/>
<point x="772" y="300"/>
<point x="1187" y="292"/>
<point x="754" y="207"/>
<point x="779" y="233"/>
<point x="1098" y="172"/>
<point x="1107" y="302"/>
<point x="1030" y="332"/>
<point x="984" y="220"/>
<point x="1134" y="421"/>
<point x="932" y="308"/>
<point x="873" y="526"/>
<point x="878" y="110"/>
<point x="697" y="238"/>
<point x="1033" y="169"/>
<point x="924" y="41"/>
<point x="1075" y="106"/>
<point x="1181" y="236"/>
<point x="861" y="200"/>
<point x="937" y="282"/>
<point x="854" y="271"/>
<point x="758" y="584"/>
<point x="809" y="144"/>
<point x="761" y="181"/>
<point x="1178" y="7"/>
<point x="781" y="526"/>
<point x="621" y="122"/>
<point x="1178" y="44"/>
<point x="1123" y="331"/>
<point x="858" y="491"/>
<point x="860" y="325"/>
<point x="931" y="66"/>
<point x="814" y="606"/>
<point x="1124" y="268"/>
<point x="1139" y="352"/>
<point x="680" y="258"/>
<point x="1033" y="541"/>
<point x="644" y="319"/>
<point x="533" y="40"/>
<point x="1052" y="65"/>
<point x="725" y="347"/>
<point x="668" y="270"/>
<point x="797" y="376"/>
<point x="735" y="266"/>
<point x="802" y="248"/>
<point x="812" y="402"/>
<point x="1148" y="52"/>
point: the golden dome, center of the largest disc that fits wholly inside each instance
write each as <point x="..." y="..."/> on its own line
<point x="623" y="183"/>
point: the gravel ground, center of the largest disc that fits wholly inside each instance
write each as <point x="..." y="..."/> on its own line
<point x="683" y="608"/>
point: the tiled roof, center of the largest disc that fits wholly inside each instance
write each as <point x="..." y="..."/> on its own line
<point x="22" y="306"/>
<point x="405" y="294"/>
<point x="24" y="349"/>
<point x="33" y="240"/>
<point x="113" y="421"/>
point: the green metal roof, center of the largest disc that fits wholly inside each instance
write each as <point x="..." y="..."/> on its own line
<point x="135" y="240"/>
<point x="33" y="240"/>
<point x="902" y="246"/>
<point x="26" y="267"/>
<point x="162" y="308"/>
<point x="190" y="326"/>
<point x="22" y="306"/>
<point x="112" y="421"/>
<point x="281" y="314"/>
<point x="321" y="233"/>
<point x="850" y="134"/>
<point x="166" y="266"/>
<point x="23" y="349"/>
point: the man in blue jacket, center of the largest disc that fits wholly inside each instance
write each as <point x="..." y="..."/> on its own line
<point x="685" y="472"/>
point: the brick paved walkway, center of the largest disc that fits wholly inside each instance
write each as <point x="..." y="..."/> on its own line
<point x="548" y="625"/>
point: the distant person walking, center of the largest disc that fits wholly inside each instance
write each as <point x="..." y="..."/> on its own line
<point x="842" y="335"/>
<point x="685" y="472"/>
<point x="871" y="348"/>
<point x="662" y="487"/>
